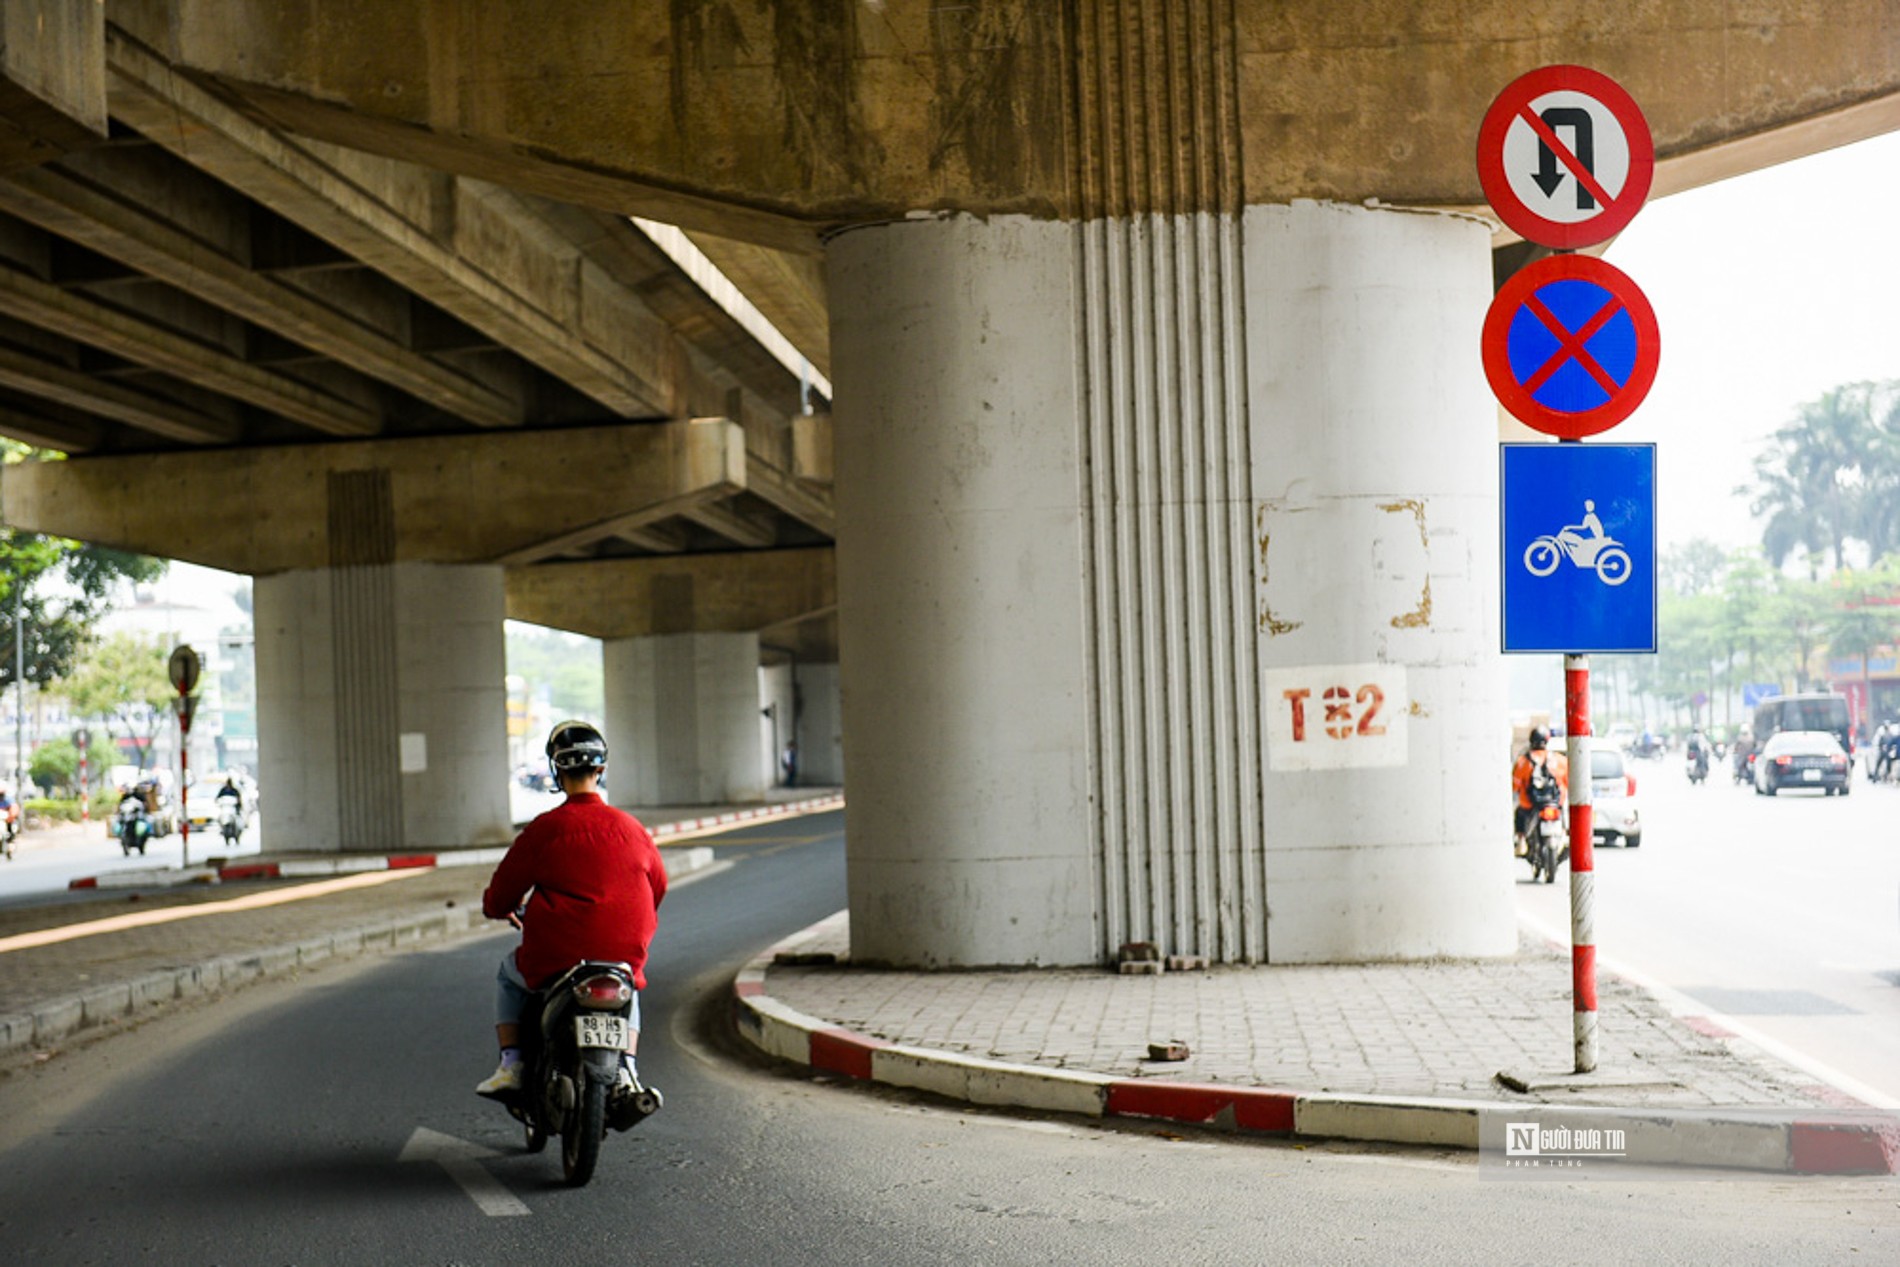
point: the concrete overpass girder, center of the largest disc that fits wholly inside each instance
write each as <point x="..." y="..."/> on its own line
<point x="484" y="498"/>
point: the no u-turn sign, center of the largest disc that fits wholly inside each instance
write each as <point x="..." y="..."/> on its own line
<point x="1565" y="157"/>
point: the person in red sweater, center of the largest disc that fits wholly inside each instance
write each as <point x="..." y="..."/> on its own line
<point x="593" y="882"/>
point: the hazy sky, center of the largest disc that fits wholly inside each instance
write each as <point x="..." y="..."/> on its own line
<point x="1769" y="289"/>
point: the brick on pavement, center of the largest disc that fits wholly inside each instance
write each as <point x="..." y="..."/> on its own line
<point x="1438" y="1029"/>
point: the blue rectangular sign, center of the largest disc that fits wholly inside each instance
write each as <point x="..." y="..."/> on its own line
<point x="1579" y="542"/>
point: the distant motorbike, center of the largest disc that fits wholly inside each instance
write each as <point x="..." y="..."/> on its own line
<point x="572" y="1055"/>
<point x="11" y="832"/>
<point x="1698" y="763"/>
<point x="134" y="826"/>
<point x="230" y="820"/>
<point x="1744" y="766"/>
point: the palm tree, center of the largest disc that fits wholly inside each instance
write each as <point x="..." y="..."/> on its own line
<point x="1810" y="484"/>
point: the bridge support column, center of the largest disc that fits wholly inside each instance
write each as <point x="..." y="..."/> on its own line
<point x="1104" y="491"/>
<point x="683" y="719"/>
<point x="382" y="721"/>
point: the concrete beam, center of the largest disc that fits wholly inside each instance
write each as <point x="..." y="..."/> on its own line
<point x="143" y="343"/>
<point x="52" y="79"/>
<point x="92" y="394"/>
<point x="476" y="251"/>
<point x="105" y="222"/>
<point x="447" y="499"/>
<point x="772" y="123"/>
<point x="746" y="592"/>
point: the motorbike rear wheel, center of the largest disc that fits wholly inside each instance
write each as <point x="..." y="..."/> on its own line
<point x="580" y="1139"/>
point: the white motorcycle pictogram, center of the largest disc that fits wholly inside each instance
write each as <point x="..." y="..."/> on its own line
<point x="1584" y="545"/>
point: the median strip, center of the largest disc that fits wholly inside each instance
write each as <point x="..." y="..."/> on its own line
<point x="250" y="902"/>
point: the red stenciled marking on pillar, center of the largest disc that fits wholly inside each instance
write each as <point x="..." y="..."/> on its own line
<point x="1297" y="698"/>
<point x="1583" y="977"/>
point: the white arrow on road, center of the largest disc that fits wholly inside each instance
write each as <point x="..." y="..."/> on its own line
<point x="463" y="1161"/>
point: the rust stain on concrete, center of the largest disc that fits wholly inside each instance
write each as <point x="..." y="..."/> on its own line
<point x="1419" y="617"/>
<point x="1269" y="623"/>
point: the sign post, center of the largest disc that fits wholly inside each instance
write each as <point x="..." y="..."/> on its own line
<point x="184" y="669"/>
<point x="82" y="740"/>
<point x="1570" y="347"/>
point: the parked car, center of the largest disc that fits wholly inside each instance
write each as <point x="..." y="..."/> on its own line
<point x="1614" y="813"/>
<point x="1803" y="759"/>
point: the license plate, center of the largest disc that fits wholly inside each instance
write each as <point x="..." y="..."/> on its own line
<point x="1811" y="776"/>
<point x="594" y="1030"/>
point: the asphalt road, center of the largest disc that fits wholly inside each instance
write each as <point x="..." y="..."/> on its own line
<point x="1781" y="914"/>
<point x="270" y="1127"/>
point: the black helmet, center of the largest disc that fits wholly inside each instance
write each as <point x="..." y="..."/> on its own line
<point x="1540" y="739"/>
<point x="574" y="747"/>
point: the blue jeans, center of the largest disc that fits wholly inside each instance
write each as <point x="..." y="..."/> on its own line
<point x="511" y="995"/>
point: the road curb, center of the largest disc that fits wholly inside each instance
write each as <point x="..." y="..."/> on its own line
<point x="350" y="864"/>
<point x="1846" y="1145"/>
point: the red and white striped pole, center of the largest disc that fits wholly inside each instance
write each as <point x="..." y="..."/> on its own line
<point x="1583" y="869"/>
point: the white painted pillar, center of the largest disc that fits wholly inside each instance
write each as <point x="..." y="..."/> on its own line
<point x="1101" y="489"/>
<point x="382" y="718"/>
<point x="820" y="726"/>
<point x="683" y="719"/>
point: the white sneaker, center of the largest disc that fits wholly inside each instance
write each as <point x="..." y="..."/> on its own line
<point x="503" y="1081"/>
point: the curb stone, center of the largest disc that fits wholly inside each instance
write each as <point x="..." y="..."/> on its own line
<point x="1847" y="1145"/>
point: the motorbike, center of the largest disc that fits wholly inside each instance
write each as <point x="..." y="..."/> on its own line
<point x="230" y="820"/>
<point x="11" y="832"/>
<point x="134" y="826"/>
<point x="572" y="1056"/>
<point x="1744" y="766"/>
<point x="1698" y="765"/>
<point x="1544" y="843"/>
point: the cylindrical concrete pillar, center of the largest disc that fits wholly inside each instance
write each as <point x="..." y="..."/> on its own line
<point x="683" y="719"/>
<point x="382" y="721"/>
<point x="1106" y="494"/>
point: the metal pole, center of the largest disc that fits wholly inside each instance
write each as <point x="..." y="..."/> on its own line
<point x="1583" y="935"/>
<point x="184" y="777"/>
<point x="19" y="699"/>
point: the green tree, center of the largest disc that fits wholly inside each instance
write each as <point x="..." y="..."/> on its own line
<point x="1810" y="484"/>
<point x="55" y="766"/>
<point x="58" y="589"/>
<point x="122" y="681"/>
<point x="1864" y="616"/>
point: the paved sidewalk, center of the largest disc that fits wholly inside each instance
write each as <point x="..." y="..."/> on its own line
<point x="1404" y="1052"/>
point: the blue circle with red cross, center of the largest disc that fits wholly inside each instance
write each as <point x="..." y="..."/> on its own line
<point x="1570" y="346"/>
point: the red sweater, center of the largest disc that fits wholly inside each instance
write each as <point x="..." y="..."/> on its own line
<point x="597" y="881"/>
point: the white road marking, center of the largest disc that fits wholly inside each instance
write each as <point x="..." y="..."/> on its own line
<point x="463" y="1161"/>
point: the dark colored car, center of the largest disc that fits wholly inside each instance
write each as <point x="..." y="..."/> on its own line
<point x="1815" y="711"/>
<point x="1803" y="759"/>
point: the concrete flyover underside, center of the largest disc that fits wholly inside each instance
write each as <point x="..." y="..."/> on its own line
<point x="1158" y="408"/>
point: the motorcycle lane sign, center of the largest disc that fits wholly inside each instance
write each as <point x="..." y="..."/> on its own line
<point x="1578" y="564"/>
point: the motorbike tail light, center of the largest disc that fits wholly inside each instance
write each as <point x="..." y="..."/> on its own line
<point x="1549" y="813"/>
<point x="603" y="992"/>
<point x="1631" y="779"/>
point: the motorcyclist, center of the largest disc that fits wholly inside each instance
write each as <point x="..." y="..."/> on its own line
<point x="1537" y="756"/>
<point x="9" y="819"/>
<point x="592" y="880"/>
<point x="1699" y="751"/>
<point x="1887" y="749"/>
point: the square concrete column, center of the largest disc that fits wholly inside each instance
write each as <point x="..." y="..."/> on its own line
<point x="382" y="719"/>
<point x="820" y="726"/>
<point x="683" y="719"/>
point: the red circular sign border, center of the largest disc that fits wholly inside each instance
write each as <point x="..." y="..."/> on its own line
<point x="1532" y="227"/>
<point x="1495" y="343"/>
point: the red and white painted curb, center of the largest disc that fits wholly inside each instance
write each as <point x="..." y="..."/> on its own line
<point x="348" y="864"/>
<point x="1693" y="1138"/>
